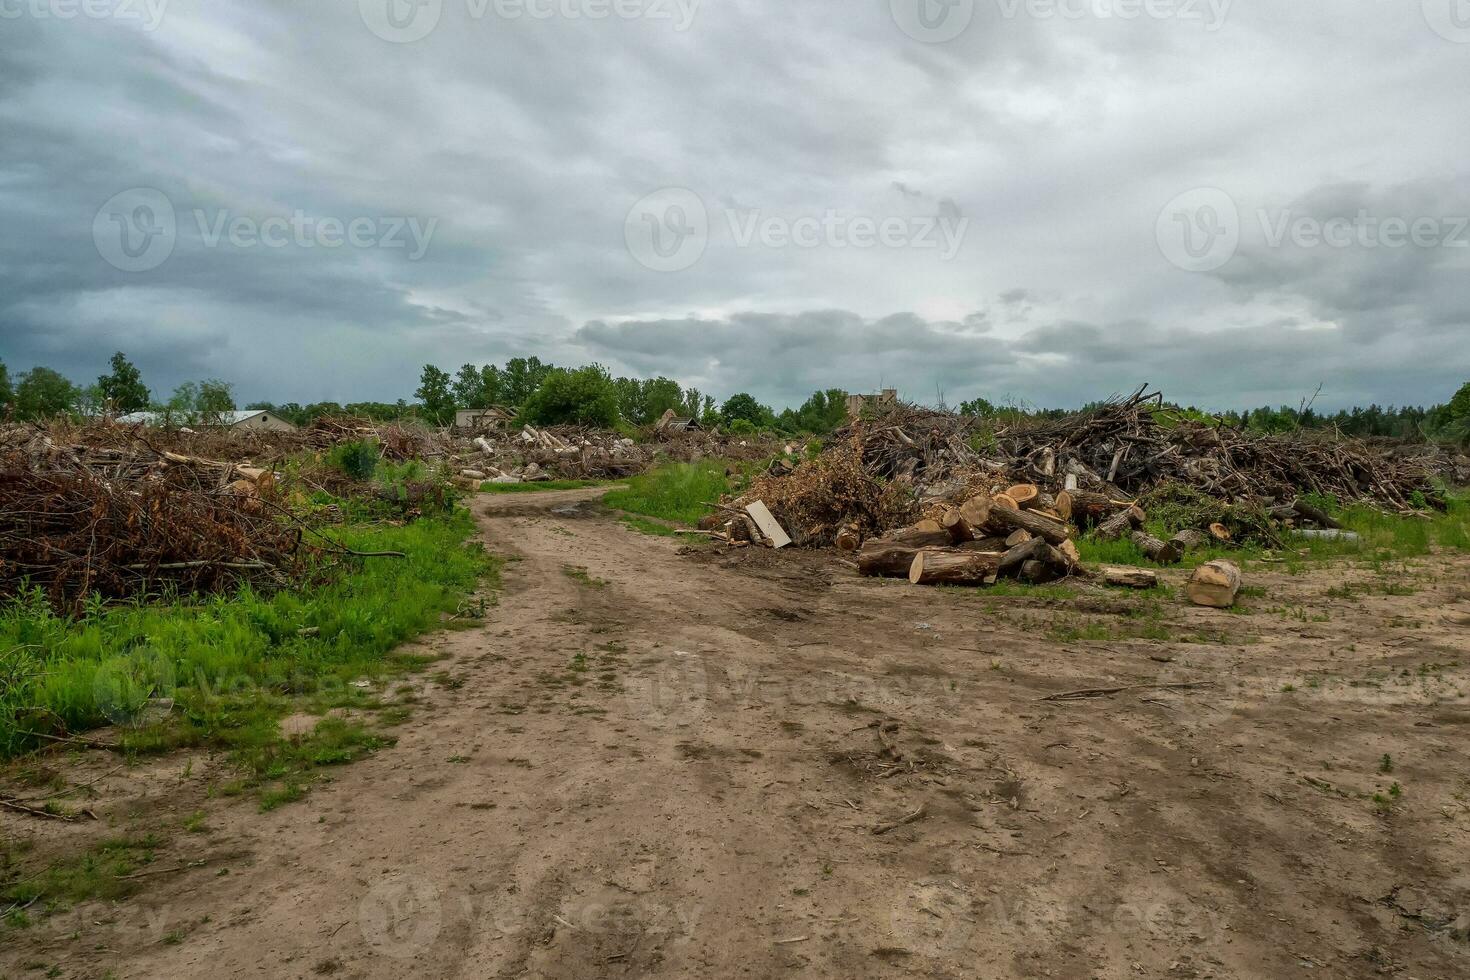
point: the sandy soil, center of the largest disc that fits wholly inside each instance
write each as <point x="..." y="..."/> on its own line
<point x="677" y="765"/>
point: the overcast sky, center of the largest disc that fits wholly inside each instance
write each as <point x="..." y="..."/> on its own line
<point x="1031" y="200"/>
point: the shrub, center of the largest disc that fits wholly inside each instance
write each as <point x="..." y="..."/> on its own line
<point x="582" y="397"/>
<point x="358" y="460"/>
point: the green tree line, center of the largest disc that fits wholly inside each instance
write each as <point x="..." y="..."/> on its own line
<point x="546" y="394"/>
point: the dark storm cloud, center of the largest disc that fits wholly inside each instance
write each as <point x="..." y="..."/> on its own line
<point x="526" y="142"/>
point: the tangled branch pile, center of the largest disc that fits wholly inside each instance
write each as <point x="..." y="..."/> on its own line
<point x="569" y="452"/>
<point x="79" y="520"/>
<point x="1134" y="445"/>
<point x="1084" y="469"/>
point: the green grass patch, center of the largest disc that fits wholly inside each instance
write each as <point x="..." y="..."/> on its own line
<point x="543" y="487"/>
<point x="680" y="493"/>
<point x="1382" y="537"/>
<point x="234" y="665"/>
<point x="644" y="525"/>
<point x="580" y="575"/>
<point x="98" y="873"/>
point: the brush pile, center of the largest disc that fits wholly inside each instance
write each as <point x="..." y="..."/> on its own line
<point x="79" y="520"/>
<point x="945" y="498"/>
<point x="528" y="454"/>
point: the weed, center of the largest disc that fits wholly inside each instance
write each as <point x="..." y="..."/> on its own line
<point x="679" y="492"/>
<point x="581" y="575"/>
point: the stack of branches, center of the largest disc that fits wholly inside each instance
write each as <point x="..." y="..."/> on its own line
<point x="917" y="446"/>
<point x="1129" y="446"/>
<point x="1106" y="470"/>
<point x="120" y="523"/>
<point x="265" y="445"/>
<point x="832" y="494"/>
<point x="398" y="441"/>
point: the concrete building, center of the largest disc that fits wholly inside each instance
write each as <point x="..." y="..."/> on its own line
<point x="880" y="404"/>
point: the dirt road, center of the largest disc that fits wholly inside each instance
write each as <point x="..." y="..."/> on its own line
<point x="650" y="764"/>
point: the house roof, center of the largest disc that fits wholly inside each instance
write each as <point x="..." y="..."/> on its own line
<point x="152" y="418"/>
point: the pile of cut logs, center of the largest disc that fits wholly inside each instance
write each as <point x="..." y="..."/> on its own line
<point x="1021" y="532"/>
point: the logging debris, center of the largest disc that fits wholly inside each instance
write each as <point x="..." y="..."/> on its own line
<point x="908" y="492"/>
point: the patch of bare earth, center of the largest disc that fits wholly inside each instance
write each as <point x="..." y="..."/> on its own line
<point x="755" y="764"/>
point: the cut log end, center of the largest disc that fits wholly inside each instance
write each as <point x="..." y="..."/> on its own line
<point x="1215" y="584"/>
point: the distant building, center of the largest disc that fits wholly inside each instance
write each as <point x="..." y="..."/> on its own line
<point x="224" y="420"/>
<point x="880" y="404"/>
<point x="674" y="423"/>
<point x="483" y="419"/>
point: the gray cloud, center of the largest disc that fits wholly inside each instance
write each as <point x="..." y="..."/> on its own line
<point x="1058" y="140"/>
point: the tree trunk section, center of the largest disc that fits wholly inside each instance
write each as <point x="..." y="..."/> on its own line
<point x="1007" y="520"/>
<point x="1189" y="540"/>
<point x="849" y="538"/>
<point x="1130" y="578"/>
<point x="959" y="529"/>
<point x="885" y="558"/>
<point x="1215" y="584"/>
<point x="1163" y="552"/>
<point x="1032" y="549"/>
<point x="1023" y="493"/>
<point x="1037" y="572"/>
<point x="976" y="511"/>
<point x="953" y="566"/>
<point x="918" y="536"/>
<point x="1116" y="526"/>
<point x="1314" y="514"/>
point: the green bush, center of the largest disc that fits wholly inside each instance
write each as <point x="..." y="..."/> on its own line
<point x="742" y="427"/>
<point x="586" y="396"/>
<point x="358" y="460"/>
